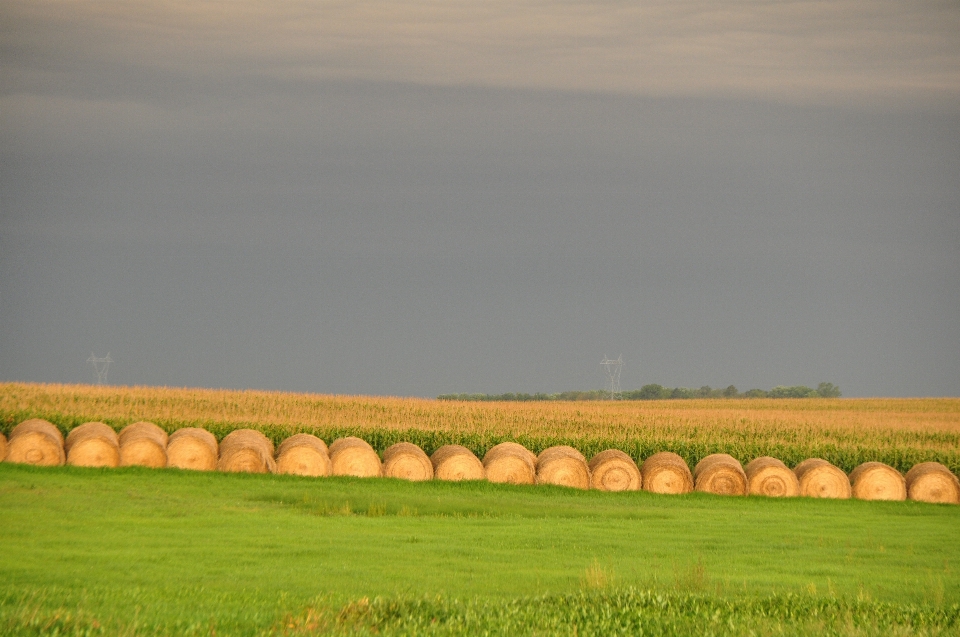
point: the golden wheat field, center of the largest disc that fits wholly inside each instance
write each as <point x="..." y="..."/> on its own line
<point x="928" y="424"/>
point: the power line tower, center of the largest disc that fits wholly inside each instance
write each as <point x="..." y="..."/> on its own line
<point x="613" y="374"/>
<point x="100" y="365"/>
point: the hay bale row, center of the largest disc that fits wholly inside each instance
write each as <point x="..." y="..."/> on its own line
<point x="95" y="444"/>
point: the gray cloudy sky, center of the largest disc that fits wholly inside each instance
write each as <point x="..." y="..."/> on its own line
<point x="418" y="198"/>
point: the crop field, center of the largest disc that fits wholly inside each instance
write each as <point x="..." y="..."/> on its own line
<point x="143" y="551"/>
<point x="846" y="432"/>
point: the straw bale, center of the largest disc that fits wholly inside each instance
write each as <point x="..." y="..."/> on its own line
<point x="454" y="462"/>
<point x="666" y="472"/>
<point x="932" y="482"/>
<point x="3" y="446"/>
<point x="563" y="466"/>
<point x="303" y="455"/>
<point x="300" y="439"/>
<point x="820" y="479"/>
<point x="246" y="451"/>
<point x="515" y="447"/>
<point x="878" y="481"/>
<point x="770" y="477"/>
<point x="511" y="463"/>
<point x="37" y="424"/>
<point x="93" y="444"/>
<point x="36" y="442"/>
<point x="613" y="470"/>
<point x="138" y="429"/>
<point x="721" y="474"/>
<point x="352" y="456"/>
<point x="143" y="444"/>
<point x="192" y="448"/>
<point x="407" y="461"/>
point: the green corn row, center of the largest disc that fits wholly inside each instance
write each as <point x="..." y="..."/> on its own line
<point x="847" y="456"/>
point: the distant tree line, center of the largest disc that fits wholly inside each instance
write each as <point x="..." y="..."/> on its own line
<point x="659" y="392"/>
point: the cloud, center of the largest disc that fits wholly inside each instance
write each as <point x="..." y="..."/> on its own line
<point x="784" y="50"/>
<point x="802" y="51"/>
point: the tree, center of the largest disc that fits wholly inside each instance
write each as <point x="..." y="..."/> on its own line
<point x="653" y="392"/>
<point x="828" y="390"/>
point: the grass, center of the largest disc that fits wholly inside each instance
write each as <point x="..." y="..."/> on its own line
<point x="847" y="432"/>
<point x="167" y="552"/>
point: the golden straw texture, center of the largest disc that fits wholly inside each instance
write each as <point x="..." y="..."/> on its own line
<point x="877" y="481"/>
<point x="92" y="444"/>
<point x="192" y="448"/>
<point x="613" y="470"/>
<point x="510" y="463"/>
<point x="932" y="482"/>
<point x="770" y="477"/>
<point x="820" y="479"/>
<point x="36" y="442"/>
<point x="720" y="474"/>
<point x="563" y="466"/>
<point x="37" y="424"/>
<point x="352" y="456"/>
<point x="407" y="461"/>
<point x="303" y="455"/>
<point x="666" y="472"/>
<point x="143" y="444"/>
<point x="246" y="451"/>
<point x="455" y="462"/>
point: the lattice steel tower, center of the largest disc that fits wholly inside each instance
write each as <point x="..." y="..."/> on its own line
<point x="613" y="374"/>
<point x="100" y="365"/>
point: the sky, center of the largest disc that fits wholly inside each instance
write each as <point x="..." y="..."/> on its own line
<point x="419" y="198"/>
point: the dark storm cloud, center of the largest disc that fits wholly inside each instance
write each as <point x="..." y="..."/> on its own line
<point x="425" y="198"/>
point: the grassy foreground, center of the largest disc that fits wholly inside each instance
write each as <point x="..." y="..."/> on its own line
<point x="141" y="551"/>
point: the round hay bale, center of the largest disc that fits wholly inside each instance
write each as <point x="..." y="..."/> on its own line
<point x="511" y="463"/>
<point x="303" y="455"/>
<point x="246" y="451"/>
<point x="37" y="424"/>
<point x="820" y="479"/>
<point x="721" y="474"/>
<point x="93" y="444"/>
<point x="407" y="461"/>
<point x="352" y="456"/>
<point x="192" y="448"/>
<point x="143" y="444"/>
<point x="613" y="470"/>
<point x="563" y="466"/>
<point x="770" y="477"/>
<point x="666" y="472"/>
<point x="932" y="482"/>
<point x="878" y="481"/>
<point x="455" y="462"/>
<point x="36" y="442"/>
<point x="3" y="446"/>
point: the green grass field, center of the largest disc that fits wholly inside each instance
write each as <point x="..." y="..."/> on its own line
<point x="137" y="551"/>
